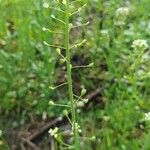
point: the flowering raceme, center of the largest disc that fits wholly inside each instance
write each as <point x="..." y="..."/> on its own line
<point x="122" y="11"/>
<point x="121" y="15"/>
<point x="139" y="44"/>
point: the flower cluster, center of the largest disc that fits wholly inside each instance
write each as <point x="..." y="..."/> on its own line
<point x="45" y="4"/>
<point x="121" y="15"/>
<point x="122" y="11"/>
<point x="54" y="132"/>
<point x="104" y="32"/>
<point x="147" y="116"/>
<point x="139" y="44"/>
<point x="77" y="126"/>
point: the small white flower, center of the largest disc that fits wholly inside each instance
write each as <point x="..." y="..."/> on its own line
<point x="51" y="103"/>
<point x="93" y="138"/>
<point x="53" y="132"/>
<point x="64" y="2"/>
<point x="65" y="112"/>
<point x="80" y="104"/>
<point x="122" y="11"/>
<point x="45" y="5"/>
<point x="121" y="15"/>
<point x="104" y="32"/>
<point x="50" y="87"/>
<point x="53" y="16"/>
<point x="147" y="116"/>
<point x="83" y="91"/>
<point x="91" y="65"/>
<point x="85" y="100"/>
<point x="139" y="44"/>
<point x="58" y="50"/>
<point x="77" y="126"/>
<point x="44" y="29"/>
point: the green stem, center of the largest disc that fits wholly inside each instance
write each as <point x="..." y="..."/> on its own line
<point x="69" y="74"/>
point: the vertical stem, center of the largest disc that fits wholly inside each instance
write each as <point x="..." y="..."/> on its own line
<point x="69" y="74"/>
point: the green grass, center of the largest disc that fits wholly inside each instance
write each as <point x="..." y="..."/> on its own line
<point x="28" y="68"/>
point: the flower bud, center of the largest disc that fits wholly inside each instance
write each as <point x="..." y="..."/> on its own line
<point x="91" y="65"/>
<point x="52" y="88"/>
<point x="58" y="51"/>
<point x="62" y="60"/>
<point x="51" y="103"/>
<point x="83" y="91"/>
<point x="65" y="112"/>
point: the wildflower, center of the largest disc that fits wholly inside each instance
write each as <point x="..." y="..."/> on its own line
<point x="62" y="60"/>
<point x="122" y="11"/>
<point x="121" y="15"/>
<point x="51" y="103"/>
<point x="80" y="104"/>
<point x="65" y="112"/>
<point x="83" y="91"/>
<point x="44" y="29"/>
<point x="106" y="118"/>
<point x="53" y="16"/>
<point x="51" y="87"/>
<point x="45" y="5"/>
<point x="85" y="100"/>
<point x="93" y="138"/>
<point x="77" y="126"/>
<point x="91" y="65"/>
<point x="147" y="116"/>
<point x="104" y="32"/>
<point x="54" y="132"/>
<point x="58" y="51"/>
<point x="64" y="2"/>
<point x="139" y="44"/>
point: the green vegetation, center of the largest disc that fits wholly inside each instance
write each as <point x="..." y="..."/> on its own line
<point x="110" y="73"/>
